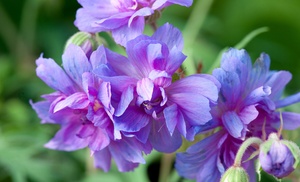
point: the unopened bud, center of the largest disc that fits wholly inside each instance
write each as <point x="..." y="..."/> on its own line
<point x="87" y="41"/>
<point x="278" y="157"/>
<point x="235" y="174"/>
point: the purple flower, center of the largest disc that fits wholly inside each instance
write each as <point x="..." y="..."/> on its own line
<point x="278" y="160"/>
<point x="249" y="95"/>
<point x="150" y="104"/>
<point x="82" y="106"/>
<point x="124" y="18"/>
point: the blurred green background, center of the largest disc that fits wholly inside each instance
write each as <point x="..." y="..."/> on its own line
<point x="31" y="27"/>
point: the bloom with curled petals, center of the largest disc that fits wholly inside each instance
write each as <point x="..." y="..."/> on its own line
<point x="82" y="107"/>
<point x="249" y="97"/>
<point x="124" y="18"/>
<point x="151" y="105"/>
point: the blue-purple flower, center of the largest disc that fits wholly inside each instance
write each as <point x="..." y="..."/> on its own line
<point x="249" y="96"/>
<point x="124" y="18"/>
<point x="150" y="104"/>
<point x="82" y="106"/>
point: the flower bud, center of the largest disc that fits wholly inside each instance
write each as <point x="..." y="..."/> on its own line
<point x="278" y="157"/>
<point x="235" y="174"/>
<point x="87" y="41"/>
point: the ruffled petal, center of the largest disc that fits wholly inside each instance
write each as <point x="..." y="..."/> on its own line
<point x="166" y="34"/>
<point x="75" y="63"/>
<point x="248" y="114"/>
<point x="231" y="89"/>
<point x="132" y="120"/>
<point x="125" y="33"/>
<point x="239" y="62"/>
<point x="77" y="100"/>
<point x="126" y="98"/>
<point x="66" y="138"/>
<point x="277" y="82"/>
<point x="233" y="124"/>
<point x="102" y="159"/>
<point x="54" y="76"/>
<point x="200" y="161"/>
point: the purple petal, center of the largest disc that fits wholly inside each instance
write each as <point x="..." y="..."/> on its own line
<point x="201" y="157"/>
<point x="174" y="61"/>
<point x="161" y="139"/>
<point x="104" y="95"/>
<point x="257" y="95"/>
<point x="173" y="116"/>
<point x="42" y="110"/>
<point x="144" y="88"/>
<point x="132" y="120"/>
<point x="102" y="159"/>
<point x="145" y="11"/>
<point x="259" y="72"/>
<point x="77" y="100"/>
<point x="126" y="98"/>
<point x="239" y="62"/>
<point x="186" y="3"/>
<point x="233" y="124"/>
<point x="248" y="114"/>
<point x="75" y="63"/>
<point x="288" y="101"/>
<point x="277" y="82"/>
<point x="99" y="140"/>
<point x="291" y="121"/>
<point x="54" y="76"/>
<point x="231" y="88"/>
<point x="125" y="33"/>
<point x="166" y="34"/>
<point x="66" y="138"/>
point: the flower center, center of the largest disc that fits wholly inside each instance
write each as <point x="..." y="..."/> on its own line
<point x="152" y="106"/>
<point x="97" y="106"/>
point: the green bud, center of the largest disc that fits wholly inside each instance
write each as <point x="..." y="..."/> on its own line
<point x="235" y="174"/>
<point x="87" y="41"/>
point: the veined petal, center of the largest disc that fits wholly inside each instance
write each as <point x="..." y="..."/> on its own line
<point x="257" y="95"/>
<point x="102" y="159"/>
<point x="161" y="139"/>
<point x="125" y="33"/>
<point x="231" y="89"/>
<point x="233" y="124"/>
<point x="277" y="82"/>
<point x="172" y="116"/>
<point x="75" y="62"/>
<point x="166" y="34"/>
<point x="248" y="114"/>
<point x="259" y="72"/>
<point x="132" y="120"/>
<point x="54" y="76"/>
<point x="126" y="98"/>
<point x="77" y="100"/>
<point x="200" y="157"/>
<point x="66" y="138"/>
<point x="239" y="62"/>
<point x="99" y="140"/>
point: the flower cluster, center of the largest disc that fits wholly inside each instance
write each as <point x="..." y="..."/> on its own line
<point x="122" y="107"/>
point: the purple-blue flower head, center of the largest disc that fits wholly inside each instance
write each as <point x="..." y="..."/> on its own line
<point x="249" y="96"/>
<point x="81" y="105"/>
<point x="124" y="18"/>
<point x="150" y="105"/>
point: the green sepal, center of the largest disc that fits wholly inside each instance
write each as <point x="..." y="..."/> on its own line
<point x="294" y="150"/>
<point x="235" y="174"/>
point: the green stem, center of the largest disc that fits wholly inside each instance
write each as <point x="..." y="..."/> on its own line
<point x="247" y="143"/>
<point x="165" y="167"/>
<point x="191" y="30"/>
